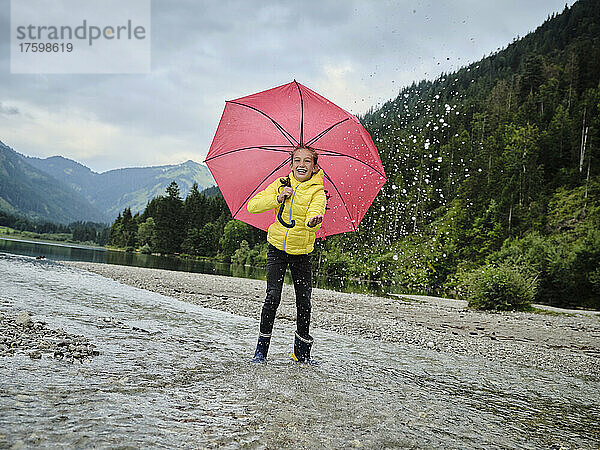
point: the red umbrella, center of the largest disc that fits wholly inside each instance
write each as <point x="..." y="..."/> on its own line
<point x="256" y="134"/>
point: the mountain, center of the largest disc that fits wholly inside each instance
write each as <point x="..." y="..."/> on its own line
<point x="496" y="163"/>
<point x="115" y="190"/>
<point x="61" y="190"/>
<point x="27" y="190"/>
<point x="212" y="192"/>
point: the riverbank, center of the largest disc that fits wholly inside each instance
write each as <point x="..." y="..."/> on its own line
<point x="33" y="240"/>
<point x="568" y="343"/>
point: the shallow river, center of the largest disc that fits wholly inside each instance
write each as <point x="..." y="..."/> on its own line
<point x="188" y="382"/>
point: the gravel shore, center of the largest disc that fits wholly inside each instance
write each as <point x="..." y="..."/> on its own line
<point x="22" y="334"/>
<point x="563" y="342"/>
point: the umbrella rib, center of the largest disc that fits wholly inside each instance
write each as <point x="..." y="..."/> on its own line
<point x="302" y="119"/>
<point x="333" y="153"/>
<point x="282" y="130"/>
<point x="262" y="181"/>
<point x="259" y="147"/>
<point x="341" y="198"/>
<point x="324" y="132"/>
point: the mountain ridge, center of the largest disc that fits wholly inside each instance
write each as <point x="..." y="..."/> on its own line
<point x="21" y="185"/>
<point x="107" y="193"/>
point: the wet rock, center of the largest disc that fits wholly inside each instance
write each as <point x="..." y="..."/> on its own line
<point x="24" y="319"/>
<point x="139" y="329"/>
<point x="24" y="336"/>
<point x="18" y="445"/>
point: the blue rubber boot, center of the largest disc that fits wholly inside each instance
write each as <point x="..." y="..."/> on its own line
<point x="302" y="348"/>
<point x="262" y="348"/>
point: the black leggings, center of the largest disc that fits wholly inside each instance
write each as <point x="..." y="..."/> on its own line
<point x="301" y="269"/>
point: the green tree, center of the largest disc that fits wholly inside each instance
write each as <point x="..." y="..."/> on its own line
<point x="486" y="234"/>
<point x="522" y="171"/>
<point x="244" y="255"/>
<point x="192" y="242"/>
<point x="145" y="232"/>
<point x="169" y="224"/>
<point x="196" y="209"/>
<point x="128" y="230"/>
<point x="234" y="233"/>
<point x="208" y="244"/>
<point x="116" y="233"/>
<point x="83" y="232"/>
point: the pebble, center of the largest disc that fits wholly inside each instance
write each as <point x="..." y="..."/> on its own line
<point x="18" y="445"/>
<point x="23" y="335"/>
<point x="24" y="319"/>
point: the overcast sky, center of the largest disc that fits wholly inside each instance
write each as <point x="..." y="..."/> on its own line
<point x="356" y="53"/>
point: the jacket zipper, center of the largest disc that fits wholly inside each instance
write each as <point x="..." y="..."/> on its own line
<point x="290" y="218"/>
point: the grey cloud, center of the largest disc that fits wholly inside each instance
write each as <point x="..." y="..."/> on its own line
<point x="8" y="110"/>
<point x="204" y="53"/>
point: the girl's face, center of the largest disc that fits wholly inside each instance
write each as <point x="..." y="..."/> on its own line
<point x="303" y="165"/>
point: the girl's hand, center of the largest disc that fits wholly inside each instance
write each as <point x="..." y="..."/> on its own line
<point x="285" y="193"/>
<point x="314" y="221"/>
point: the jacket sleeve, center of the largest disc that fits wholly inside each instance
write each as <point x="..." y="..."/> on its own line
<point x="265" y="200"/>
<point x="316" y="208"/>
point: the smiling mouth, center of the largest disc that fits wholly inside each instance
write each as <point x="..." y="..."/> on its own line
<point x="301" y="170"/>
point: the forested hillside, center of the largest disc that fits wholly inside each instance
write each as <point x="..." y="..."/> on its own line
<point x="495" y="164"/>
<point x="26" y="190"/>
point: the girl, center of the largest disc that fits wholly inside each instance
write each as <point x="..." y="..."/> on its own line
<point x="290" y="244"/>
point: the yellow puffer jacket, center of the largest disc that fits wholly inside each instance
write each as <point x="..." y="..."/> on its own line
<point x="307" y="200"/>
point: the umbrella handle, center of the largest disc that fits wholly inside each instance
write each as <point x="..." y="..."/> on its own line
<point x="280" y="218"/>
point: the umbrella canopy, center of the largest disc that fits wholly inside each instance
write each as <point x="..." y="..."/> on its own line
<point x="256" y="134"/>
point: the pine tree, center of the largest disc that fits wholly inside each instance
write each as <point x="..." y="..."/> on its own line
<point x="168" y="217"/>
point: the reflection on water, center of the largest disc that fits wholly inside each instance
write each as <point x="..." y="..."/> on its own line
<point x="187" y="381"/>
<point x="59" y="252"/>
